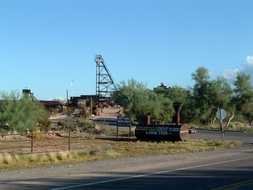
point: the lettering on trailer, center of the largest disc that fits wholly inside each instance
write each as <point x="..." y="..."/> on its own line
<point x="123" y="122"/>
<point x="162" y="130"/>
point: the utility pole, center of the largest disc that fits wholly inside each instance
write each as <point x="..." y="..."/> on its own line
<point x="67" y="96"/>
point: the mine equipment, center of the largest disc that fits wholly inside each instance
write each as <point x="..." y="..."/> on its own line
<point x="175" y="131"/>
<point x="105" y="85"/>
<point x="52" y="105"/>
<point x="170" y="132"/>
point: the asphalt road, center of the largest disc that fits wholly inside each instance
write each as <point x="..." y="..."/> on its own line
<point x="228" y="170"/>
<point x="243" y="137"/>
<point x="217" y="175"/>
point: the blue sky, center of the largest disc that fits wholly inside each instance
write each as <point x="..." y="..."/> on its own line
<point x="44" y="45"/>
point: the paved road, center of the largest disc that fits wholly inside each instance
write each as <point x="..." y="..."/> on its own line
<point x="216" y="170"/>
<point x="245" y="138"/>
<point x="228" y="170"/>
<point x="217" y="175"/>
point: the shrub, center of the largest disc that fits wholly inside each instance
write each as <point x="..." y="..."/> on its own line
<point x="63" y="155"/>
<point x="7" y="158"/>
<point x="86" y="125"/>
<point x="19" y="113"/>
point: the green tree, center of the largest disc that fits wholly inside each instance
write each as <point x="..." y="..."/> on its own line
<point x="243" y="91"/>
<point x="201" y="95"/>
<point x="209" y="95"/>
<point x="201" y="76"/>
<point x="220" y="95"/>
<point x="188" y="113"/>
<point x="20" y="113"/>
<point x="139" y="102"/>
<point x="247" y="112"/>
<point x="180" y="98"/>
<point x="162" y="89"/>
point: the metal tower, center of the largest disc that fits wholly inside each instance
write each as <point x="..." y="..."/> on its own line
<point x="104" y="83"/>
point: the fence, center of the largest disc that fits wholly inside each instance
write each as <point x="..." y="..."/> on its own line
<point x="65" y="140"/>
<point x="119" y="122"/>
<point x="43" y="142"/>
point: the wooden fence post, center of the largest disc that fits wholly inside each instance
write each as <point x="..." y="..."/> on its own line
<point x="129" y="134"/>
<point x="69" y="137"/>
<point x="32" y="141"/>
<point x="117" y="127"/>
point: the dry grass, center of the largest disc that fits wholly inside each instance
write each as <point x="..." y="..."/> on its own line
<point x="234" y="126"/>
<point x="102" y="149"/>
<point x="154" y="148"/>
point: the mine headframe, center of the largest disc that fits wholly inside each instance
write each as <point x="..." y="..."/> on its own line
<point x="105" y="85"/>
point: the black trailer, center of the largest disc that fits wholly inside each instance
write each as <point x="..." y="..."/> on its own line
<point x="168" y="132"/>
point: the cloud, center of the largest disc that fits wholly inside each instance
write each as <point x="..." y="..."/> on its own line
<point x="230" y="74"/>
<point x="249" y="60"/>
<point x="247" y="67"/>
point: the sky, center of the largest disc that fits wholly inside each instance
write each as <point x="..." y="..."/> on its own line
<point x="50" y="45"/>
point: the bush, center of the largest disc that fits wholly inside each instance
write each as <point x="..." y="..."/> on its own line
<point x="19" y="113"/>
<point x="85" y="125"/>
<point x="237" y="126"/>
<point x="7" y="158"/>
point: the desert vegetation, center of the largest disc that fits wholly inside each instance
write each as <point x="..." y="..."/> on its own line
<point x="198" y="104"/>
<point x="21" y="113"/>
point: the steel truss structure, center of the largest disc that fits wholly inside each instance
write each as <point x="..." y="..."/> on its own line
<point x="105" y="85"/>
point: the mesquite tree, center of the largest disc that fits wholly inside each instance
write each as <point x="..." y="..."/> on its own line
<point x="21" y="113"/>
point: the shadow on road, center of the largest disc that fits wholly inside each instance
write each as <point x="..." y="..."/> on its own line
<point x="238" y="178"/>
